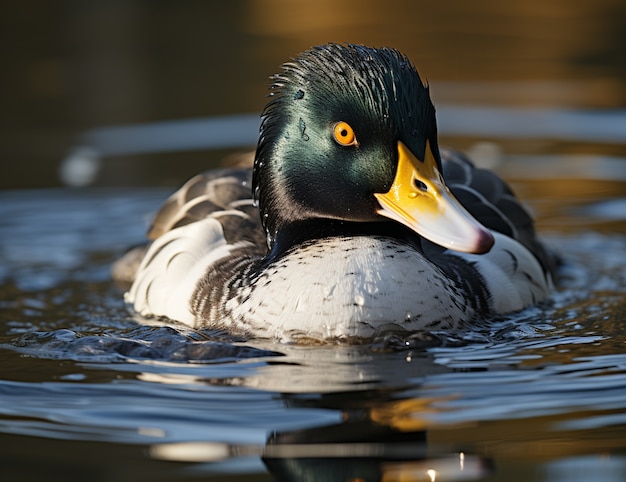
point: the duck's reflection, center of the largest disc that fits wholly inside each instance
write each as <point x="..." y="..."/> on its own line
<point x="382" y="433"/>
<point x="370" y="445"/>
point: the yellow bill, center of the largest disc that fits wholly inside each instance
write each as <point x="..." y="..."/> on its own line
<point x="419" y="199"/>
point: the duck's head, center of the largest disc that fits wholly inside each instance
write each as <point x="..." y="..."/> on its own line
<point x="350" y="135"/>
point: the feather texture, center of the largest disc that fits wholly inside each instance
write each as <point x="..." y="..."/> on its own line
<point x="299" y="246"/>
<point x="206" y="268"/>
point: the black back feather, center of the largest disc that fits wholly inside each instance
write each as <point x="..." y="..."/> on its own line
<point x="492" y="202"/>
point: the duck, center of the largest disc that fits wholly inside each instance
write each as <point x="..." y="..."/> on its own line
<point x="352" y="222"/>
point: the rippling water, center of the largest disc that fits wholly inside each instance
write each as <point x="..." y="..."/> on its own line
<point x="129" y="93"/>
<point x="89" y="393"/>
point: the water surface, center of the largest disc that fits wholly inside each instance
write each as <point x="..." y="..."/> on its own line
<point x="87" y="389"/>
<point x="144" y="93"/>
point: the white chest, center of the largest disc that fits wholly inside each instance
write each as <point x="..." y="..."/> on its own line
<point x="348" y="287"/>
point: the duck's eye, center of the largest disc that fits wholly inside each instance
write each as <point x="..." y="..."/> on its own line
<point x="344" y="134"/>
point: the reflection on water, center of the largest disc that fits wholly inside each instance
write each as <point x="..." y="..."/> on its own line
<point x="535" y="89"/>
<point x="81" y="167"/>
<point x="530" y="396"/>
<point x="125" y="63"/>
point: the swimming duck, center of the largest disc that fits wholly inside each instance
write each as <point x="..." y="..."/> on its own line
<point x="352" y="222"/>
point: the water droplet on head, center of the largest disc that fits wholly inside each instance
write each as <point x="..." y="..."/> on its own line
<point x="412" y="195"/>
<point x="302" y="127"/>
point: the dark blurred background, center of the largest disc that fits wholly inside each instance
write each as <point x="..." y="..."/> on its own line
<point x="71" y="66"/>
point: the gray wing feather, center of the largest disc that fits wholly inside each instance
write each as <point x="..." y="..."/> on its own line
<point x="205" y="195"/>
<point x="221" y="194"/>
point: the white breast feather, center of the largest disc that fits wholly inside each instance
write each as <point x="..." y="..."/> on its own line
<point x="513" y="276"/>
<point x="345" y="286"/>
<point x="327" y="291"/>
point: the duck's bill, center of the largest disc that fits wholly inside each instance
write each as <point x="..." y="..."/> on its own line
<point x="419" y="199"/>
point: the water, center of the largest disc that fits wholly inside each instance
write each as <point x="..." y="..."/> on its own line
<point x="86" y="389"/>
<point x="112" y="94"/>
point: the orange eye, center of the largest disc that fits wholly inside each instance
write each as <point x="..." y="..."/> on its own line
<point x="344" y="134"/>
